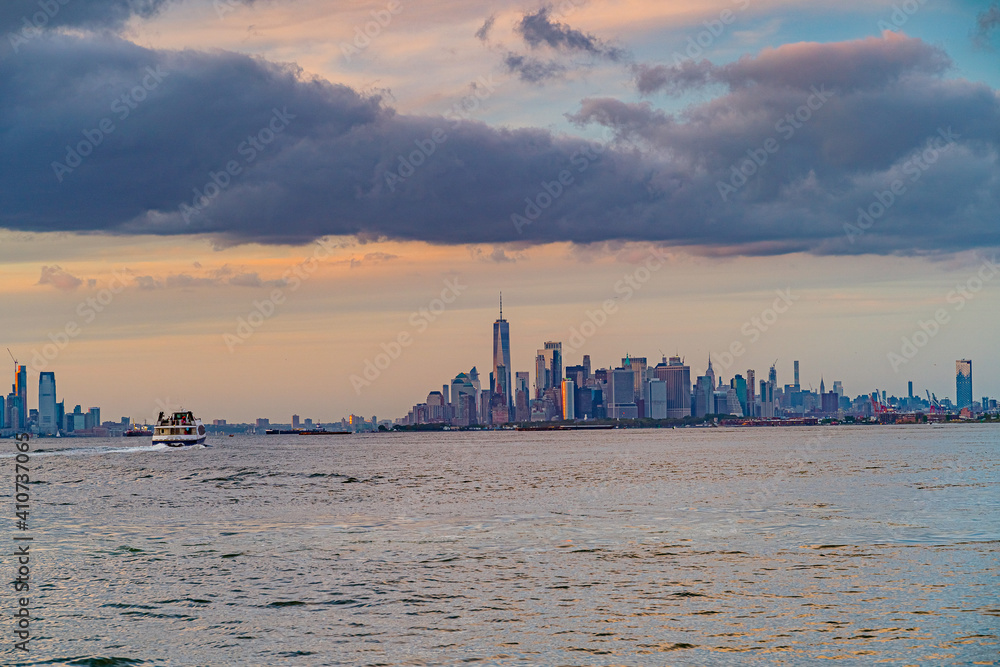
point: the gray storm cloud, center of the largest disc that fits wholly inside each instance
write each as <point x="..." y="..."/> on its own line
<point x="103" y="135"/>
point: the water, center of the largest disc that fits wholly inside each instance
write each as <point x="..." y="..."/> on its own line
<point x="681" y="547"/>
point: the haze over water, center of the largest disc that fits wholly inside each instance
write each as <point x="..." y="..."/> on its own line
<point x="640" y="547"/>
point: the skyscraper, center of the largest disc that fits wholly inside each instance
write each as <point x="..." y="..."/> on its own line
<point x="21" y="389"/>
<point x="677" y="376"/>
<point x="621" y="394"/>
<point x="501" y="360"/>
<point x="963" y="383"/>
<point x="797" y="385"/>
<point x="47" y="418"/>
<point x="548" y="367"/>
<point x="568" y="399"/>
<point x="751" y="393"/>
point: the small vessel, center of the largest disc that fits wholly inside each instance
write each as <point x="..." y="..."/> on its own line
<point x="139" y="432"/>
<point x="179" y="429"/>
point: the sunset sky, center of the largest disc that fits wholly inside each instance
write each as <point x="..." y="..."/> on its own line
<point x="169" y="166"/>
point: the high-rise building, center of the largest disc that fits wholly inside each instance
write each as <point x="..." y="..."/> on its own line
<point x="677" y="377"/>
<point x="909" y="389"/>
<point x="21" y="389"/>
<point x="568" y="399"/>
<point x="772" y="377"/>
<point x="621" y="394"/>
<point x="502" y="384"/>
<point x="638" y="367"/>
<point x="963" y="383"/>
<point x="751" y="393"/>
<point x="586" y="368"/>
<point x="577" y="374"/>
<point x="740" y="385"/>
<point x="797" y="385"/>
<point x="711" y="373"/>
<point x="541" y="374"/>
<point x="522" y="397"/>
<point x="47" y="418"/>
<point x="548" y="367"/>
<point x="656" y="399"/>
<point x="767" y="398"/>
<point x="295" y="421"/>
<point x="3" y="412"/>
<point x="704" y="396"/>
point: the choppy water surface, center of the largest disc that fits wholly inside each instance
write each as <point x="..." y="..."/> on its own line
<point x="669" y="547"/>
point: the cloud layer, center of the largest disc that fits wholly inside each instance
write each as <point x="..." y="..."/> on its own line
<point x="246" y="150"/>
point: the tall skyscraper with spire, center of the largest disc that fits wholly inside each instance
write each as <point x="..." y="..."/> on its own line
<point x="501" y="360"/>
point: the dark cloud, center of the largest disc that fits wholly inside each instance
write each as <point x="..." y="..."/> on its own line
<point x="538" y="29"/>
<point x="58" y="278"/>
<point x="33" y="15"/>
<point x="871" y="63"/>
<point x="323" y="171"/>
<point x="672" y="80"/>
<point x="986" y="22"/>
<point x="483" y="33"/>
<point x="532" y="70"/>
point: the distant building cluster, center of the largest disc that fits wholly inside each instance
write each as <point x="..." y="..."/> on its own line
<point x="637" y="390"/>
<point x="632" y="390"/>
<point x="50" y="418"/>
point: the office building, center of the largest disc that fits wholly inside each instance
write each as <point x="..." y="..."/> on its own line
<point x="677" y="378"/>
<point x="963" y="383"/>
<point x="656" y="399"/>
<point x="740" y="385"/>
<point x="704" y="396"/>
<point x="621" y="394"/>
<point x="568" y="399"/>
<point x="501" y="383"/>
<point x="548" y="367"/>
<point x="21" y="390"/>
<point x="797" y="386"/>
<point x="47" y="418"/>
<point x="522" y="396"/>
<point x="751" y="393"/>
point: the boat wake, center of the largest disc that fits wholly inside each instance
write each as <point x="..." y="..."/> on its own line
<point x="90" y="451"/>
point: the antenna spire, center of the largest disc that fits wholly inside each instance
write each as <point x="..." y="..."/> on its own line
<point x="501" y="305"/>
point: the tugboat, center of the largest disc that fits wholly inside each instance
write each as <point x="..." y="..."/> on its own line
<point x="180" y="429"/>
<point x="138" y="431"/>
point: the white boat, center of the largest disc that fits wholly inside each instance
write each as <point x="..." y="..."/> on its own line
<point x="179" y="429"/>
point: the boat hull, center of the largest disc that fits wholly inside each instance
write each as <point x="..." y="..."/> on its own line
<point x="179" y="442"/>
